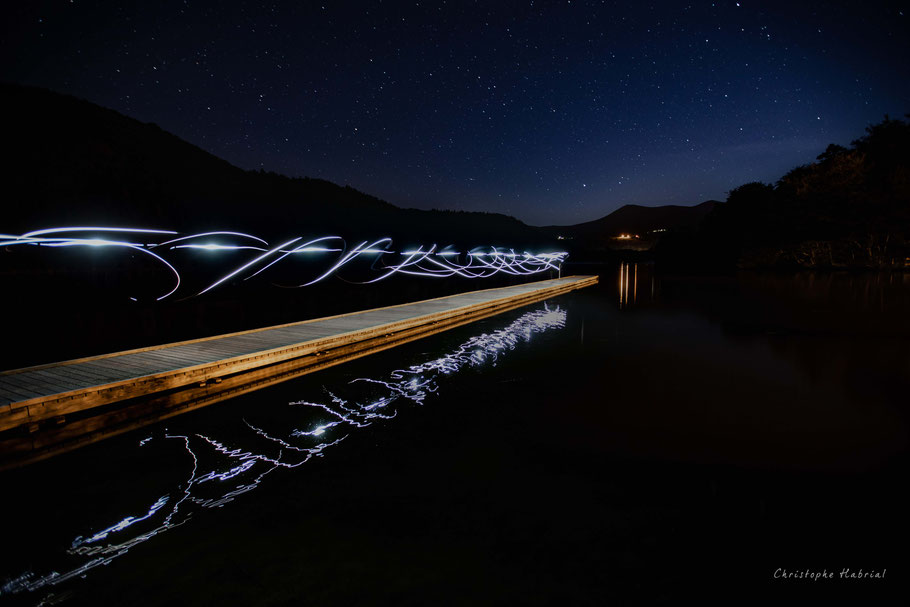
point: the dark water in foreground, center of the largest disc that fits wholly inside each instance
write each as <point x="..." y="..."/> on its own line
<point x="640" y="442"/>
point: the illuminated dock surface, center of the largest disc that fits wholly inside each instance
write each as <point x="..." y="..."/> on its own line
<point x="52" y="408"/>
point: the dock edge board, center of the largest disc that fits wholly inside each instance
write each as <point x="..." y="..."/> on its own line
<point x="38" y="428"/>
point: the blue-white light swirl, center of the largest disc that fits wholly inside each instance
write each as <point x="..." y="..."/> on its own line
<point x="172" y="251"/>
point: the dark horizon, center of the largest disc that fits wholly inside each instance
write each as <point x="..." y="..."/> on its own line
<point x="551" y="114"/>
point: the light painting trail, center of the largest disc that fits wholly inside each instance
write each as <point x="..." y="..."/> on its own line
<point x="217" y="473"/>
<point x="427" y="262"/>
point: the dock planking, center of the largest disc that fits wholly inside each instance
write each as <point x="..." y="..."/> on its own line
<point x="152" y="383"/>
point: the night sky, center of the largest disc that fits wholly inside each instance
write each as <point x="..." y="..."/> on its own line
<point x="555" y="113"/>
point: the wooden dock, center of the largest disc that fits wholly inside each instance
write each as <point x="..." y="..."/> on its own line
<point x="48" y="409"/>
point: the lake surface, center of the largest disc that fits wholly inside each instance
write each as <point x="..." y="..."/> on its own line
<point x="644" y="441"/>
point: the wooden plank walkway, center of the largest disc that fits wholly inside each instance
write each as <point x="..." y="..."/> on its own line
<point x="43" y="396"/>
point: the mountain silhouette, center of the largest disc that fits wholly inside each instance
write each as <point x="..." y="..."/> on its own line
<point x="74" y="162"/>
<point x="636" y="219"/>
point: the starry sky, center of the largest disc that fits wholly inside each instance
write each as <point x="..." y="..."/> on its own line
<point x="553" y="112"/>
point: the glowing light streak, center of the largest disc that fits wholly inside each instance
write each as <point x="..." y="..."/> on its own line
<point x="94" y="242"/>
<point x="95" y="229"/>
<point x="303" y="247"/>
<point x="62" y="242"/>
<point x="172" y="268"/>
<point x="317" y="250"/>
<point x="127" y="522"/>
<point x="424" y="261"/>
<point x="205" y="234"/>
<point x="247" y="265"/>
<point x="223" y="476"/>
<point x="317" y="431"/>
<point x="361" y="248"/>
<point x="419" y="254"/>
<point x="218" y="247"/>
<point x="88" y="242"/>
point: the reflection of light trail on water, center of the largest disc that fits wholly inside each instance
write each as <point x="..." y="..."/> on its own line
<point x="218" y="473"/>
<point x="425" y="262"/>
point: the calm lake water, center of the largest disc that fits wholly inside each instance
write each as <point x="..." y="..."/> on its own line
<point x="644" y="441"/>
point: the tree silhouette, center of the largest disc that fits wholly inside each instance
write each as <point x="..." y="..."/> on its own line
<point x="850" y="208"/>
